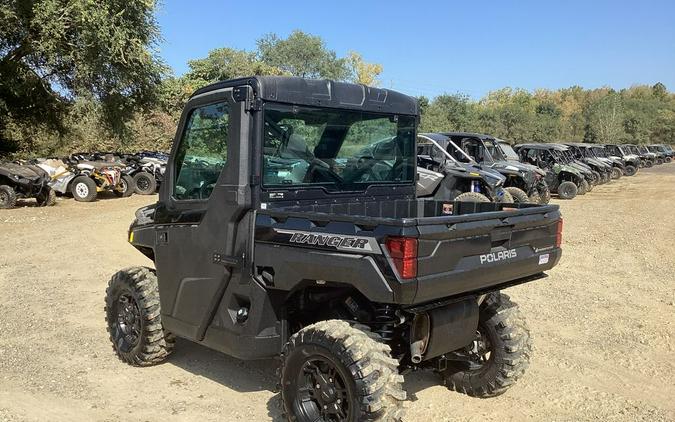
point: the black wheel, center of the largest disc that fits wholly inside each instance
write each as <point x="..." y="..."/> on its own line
<point x="332" y="371"/>
<point x="590" y="187"/>
<point x="499" y="355"/>
<point x="669" y="159"/>
<point x="567" y="190"/>
<point x="519" y="196"/>
<point x="126" y="186"/>
<point x="83" y="189"/>
<point x="631" y="170"/>
<point x="616" y="173"/>
<point x="597" y="178"/>
<point x="649" y="163"/>
<point x="145" y="183"/>
<point x="544" y="193"/>
<point x="133" y="318"/>
<point x="472" y="197"/>
<point x="7" y="197"/>
<point x="659" y="161"/>
<point x="46" y="198"/>
<point x="582" y="189"/>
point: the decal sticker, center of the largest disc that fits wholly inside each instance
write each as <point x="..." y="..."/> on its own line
<point x="498" y="256"/>
<point x="543" y="259"/>
<point x="332" y="241"/>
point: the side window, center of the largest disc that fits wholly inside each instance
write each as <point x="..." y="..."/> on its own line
<point x="202" y="152"/>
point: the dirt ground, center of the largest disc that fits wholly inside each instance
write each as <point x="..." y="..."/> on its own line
<point x="603" y="324"/>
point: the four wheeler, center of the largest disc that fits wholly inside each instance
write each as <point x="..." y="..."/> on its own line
<point x="266" y="244"/>
<point x="523" y="181"/>
<point x="561" y="177"/>
<point x="662" y="153"/>
<point x="542" y="194"/>
<point x="589" y="176"/>
<point x="583" y="152"/>
<point x="632" y="161"/>
<point x="646" y="158"/>
<point x="24" y="181"/>
<point x="84" y="179"/>
<point x="148" y="171"/>
<point x="618" y="164"/>
<point x="442" y="176"/>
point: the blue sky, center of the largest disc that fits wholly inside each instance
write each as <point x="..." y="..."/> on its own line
<point x="431" y="47"/>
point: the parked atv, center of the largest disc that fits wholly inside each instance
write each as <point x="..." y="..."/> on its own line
<point x="147" y="170"/>
<point x="590" y="178"/>
<point x="444" y="177"/>
<point x="561" y="177"/>
<point x="523" y="181"/>
<point x="601" y="170"/>
<point x="662" y="154"/>
<point x="542" y="195"/>
<point x="339" y="272"/>
<point x="19" y="181"/>
<point x="618" y="164"/>
<point x="84" y="179"/>
<point x="646" y="158"/>
<point x="632" y="161"/>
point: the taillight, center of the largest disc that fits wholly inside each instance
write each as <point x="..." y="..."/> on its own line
<point x="403" y="251"/>
<point x="558" y="233"/>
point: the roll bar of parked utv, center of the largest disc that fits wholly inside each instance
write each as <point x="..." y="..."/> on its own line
<point x="447" y="154"/>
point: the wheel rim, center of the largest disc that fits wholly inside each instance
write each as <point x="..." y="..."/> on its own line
<point x="82" y="190"/>
<point x="143" y="183"/>
<point x="4" y="198"/>
<point x="123" y="185"/>
<point x="322" y="391"/>
<point x="128" y="320"/>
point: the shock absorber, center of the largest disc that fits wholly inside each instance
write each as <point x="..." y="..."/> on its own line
<point x="386" y="319"/>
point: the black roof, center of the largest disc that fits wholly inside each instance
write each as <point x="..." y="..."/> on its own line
<point x="558" y="147"/>
<point x="322" y="92"/>
<point x="468" y="135"/>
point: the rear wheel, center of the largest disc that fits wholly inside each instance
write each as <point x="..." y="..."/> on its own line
<point x="145" y="183"/>
<point x="669" y="159"/>
<point x="83" y="189"/>
<point x="126" y="186"/>
<point x="332" y="371"/>
<point x="649" y="163"/>
<point x="597" y="178"/>
<point x="631" y="170"/>
<point x="544" y="193"/>
<point x="46" y="198"/>
<point x="133" y="318"/>
<point x="567" y="190"/>
<point x="583" y="187"/>
<point x="659" y="161"/>
<point x="498" y="356"/>
<point x="519" y="196"/>
<point x="7" y="197"/>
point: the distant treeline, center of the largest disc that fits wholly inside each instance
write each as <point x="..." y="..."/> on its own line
<point x="77" y="75"/>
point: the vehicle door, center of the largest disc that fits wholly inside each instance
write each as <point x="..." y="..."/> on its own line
<point x="204" y="201"/>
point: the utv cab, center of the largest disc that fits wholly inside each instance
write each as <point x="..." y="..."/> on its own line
<point x="583" y="152"/>
<point x="444" y="177"/>
<point x="646" y="158"/>
<point x="18" y="181"/>
<point x="523" y="181"/>
<point x="275" y="237"/>
<point x="631" y="161"/>
<point x="662" y="153"/>
<point x="561" y="177"/>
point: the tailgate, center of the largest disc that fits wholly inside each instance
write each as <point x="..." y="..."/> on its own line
<point x="466" y="255"/>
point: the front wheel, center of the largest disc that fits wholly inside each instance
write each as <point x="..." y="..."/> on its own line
<point x="631" y="170"/>
<point x="567" y="190"/>
<point x="649" y="163"/>
<point x="145" y="183"/>
<point x="46" y="198"/>
<point x="472" y="197"/>
<point x="582" y="189"/>
<point x="333" y="371"/>
<point x="133" y="318"/>
<point x="498" y="356"/>
<point x="669" y="159"/>
<point x="616" y="173"/>
<point x="7" y="197"/>
<point x="659" y="161"/>
<point x="544" y="193"/>
<point x="519" y="195"/>
<point x="83" y="189"/>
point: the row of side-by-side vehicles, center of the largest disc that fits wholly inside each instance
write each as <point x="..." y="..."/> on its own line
<point x="309" y="221"/>
<point x="82" y="176"/>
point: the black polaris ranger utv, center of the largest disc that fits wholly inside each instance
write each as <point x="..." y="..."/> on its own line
<point x="263" y="247"/>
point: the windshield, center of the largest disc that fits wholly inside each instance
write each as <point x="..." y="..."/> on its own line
<point x="339" y="150"/>
<point x="495" y="151"/>
<point x="508" y="151"/>
<point x="599" y="152"/>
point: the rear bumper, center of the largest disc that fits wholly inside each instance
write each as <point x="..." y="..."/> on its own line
<point x="472" y="276"/>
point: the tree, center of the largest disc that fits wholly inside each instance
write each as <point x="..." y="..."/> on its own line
<point x="227" y="63"/>
<point x="302" y="55"/>
<point x="605" y="119"/>
<point x="362" y="71"/>
<point x="52" y="51"/>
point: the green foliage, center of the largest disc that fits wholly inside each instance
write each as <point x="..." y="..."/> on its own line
<point x="639" y="114"/>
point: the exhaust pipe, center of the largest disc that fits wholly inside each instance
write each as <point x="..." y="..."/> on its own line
<point x="419" y="337"/>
